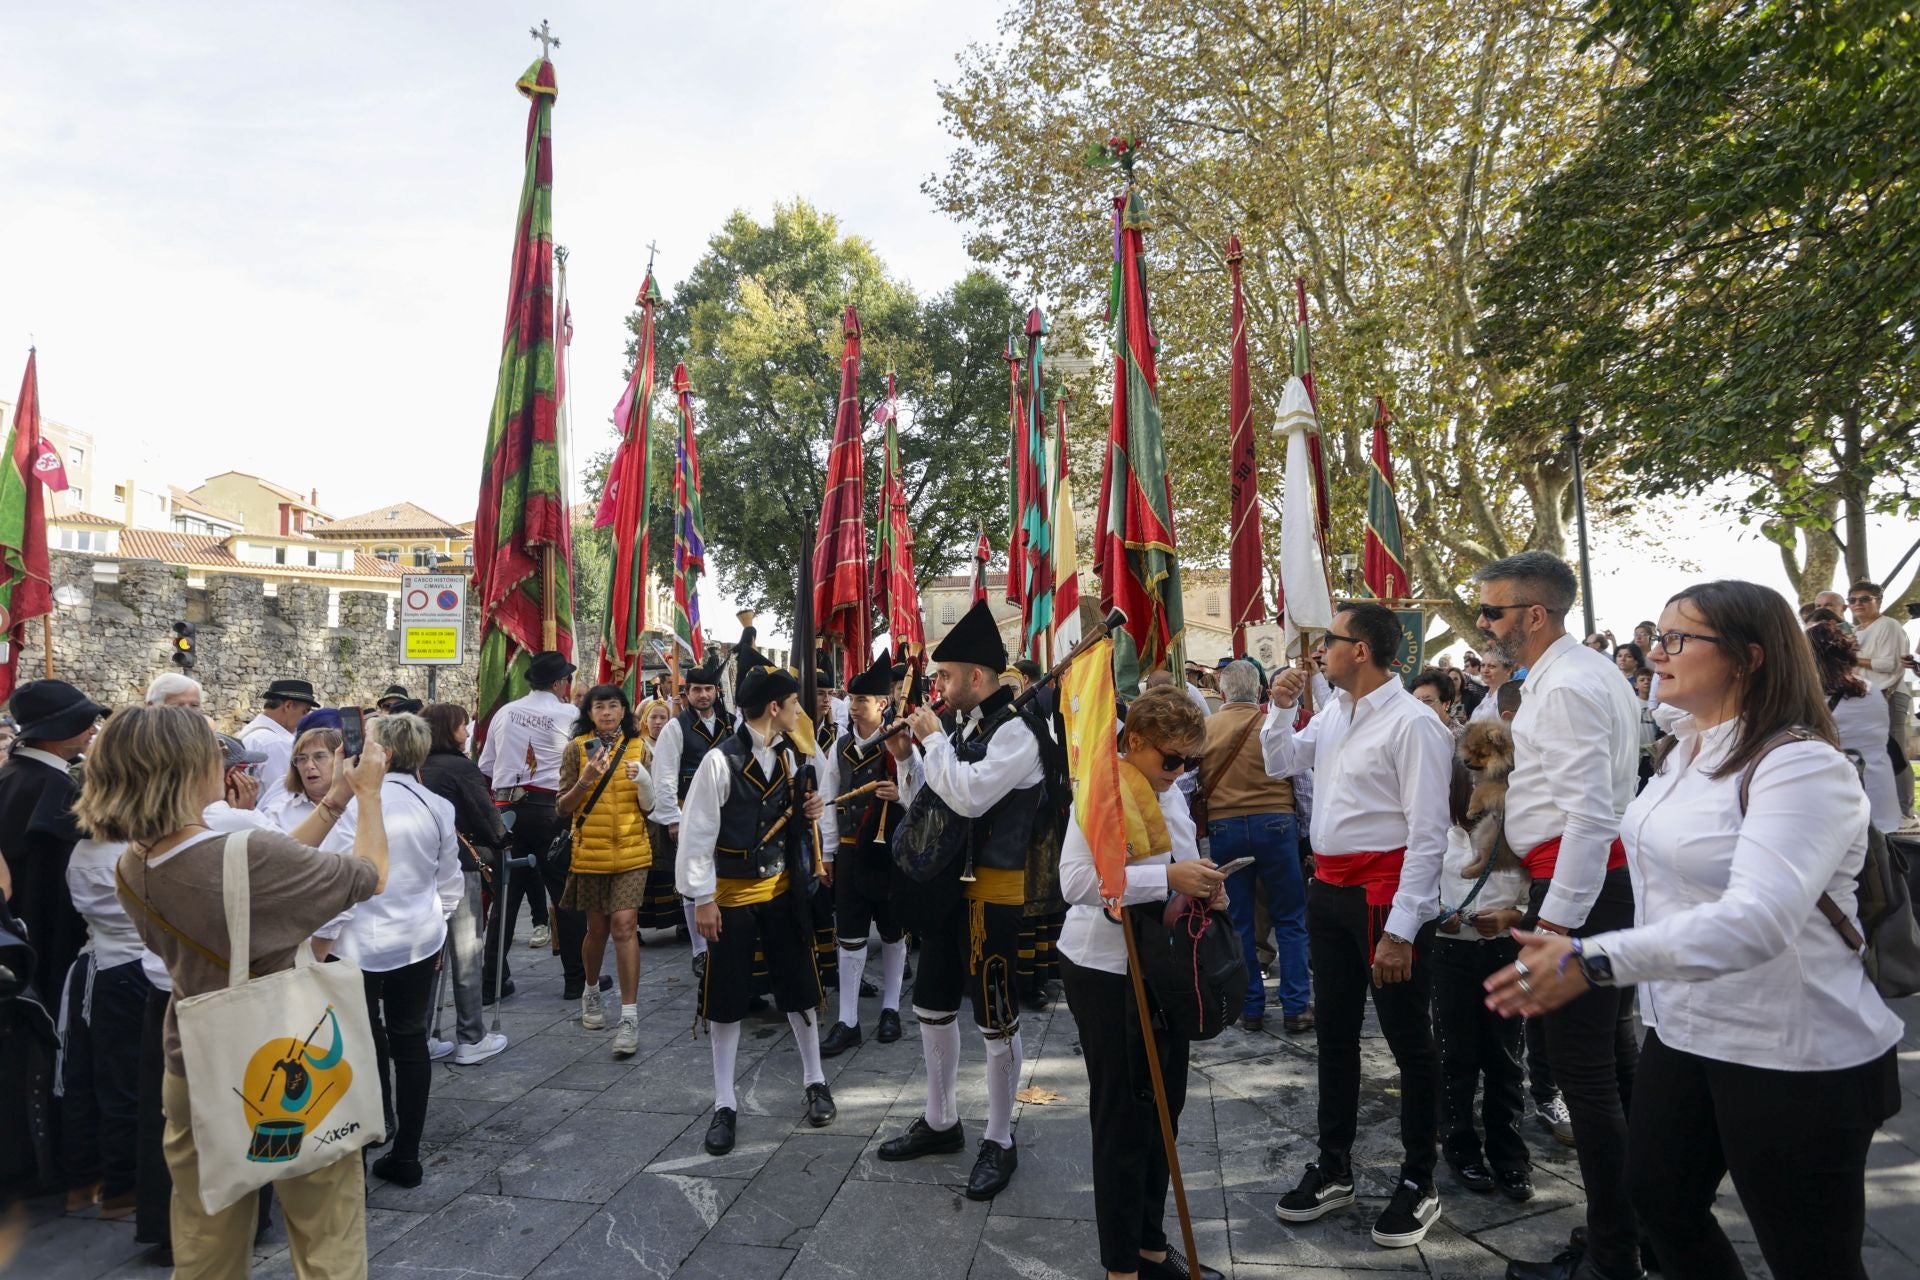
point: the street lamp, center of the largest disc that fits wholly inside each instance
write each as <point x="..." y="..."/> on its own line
<point x="1348" y="563"/>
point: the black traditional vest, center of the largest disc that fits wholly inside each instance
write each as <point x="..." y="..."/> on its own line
<point x="694" y="745"/>
<point x="865" y="820"/>
<point x="1002" y="836"/>
<point x="754" y="804"/>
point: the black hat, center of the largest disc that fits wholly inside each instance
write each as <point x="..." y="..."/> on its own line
<point x="548" y="668"/>
<point x="822" y="679"/>
<point x="764" y="685"/>
<point x="976" y="639"/>
<point x="706" y="673"/>
<point x="50" y="710"/>
<point x="395" y="691"/>
<point x="876" y="681"/>
<point x="292" y="691"/>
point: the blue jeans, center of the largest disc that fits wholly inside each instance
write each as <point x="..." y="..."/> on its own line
<point x="1273" y="841"/>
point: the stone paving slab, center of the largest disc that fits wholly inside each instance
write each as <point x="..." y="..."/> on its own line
<point x="555" y="1160"/>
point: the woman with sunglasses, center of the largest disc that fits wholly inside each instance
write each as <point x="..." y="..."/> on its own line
<point x="1768" y="1053"/>
<point x="1164" y="736"/>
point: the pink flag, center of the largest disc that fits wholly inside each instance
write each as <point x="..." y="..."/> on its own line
<point x="47" y="466"/>
<point x="603" y="514"/>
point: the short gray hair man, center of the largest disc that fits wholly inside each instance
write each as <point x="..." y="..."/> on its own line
<point x="1239" y="682"/>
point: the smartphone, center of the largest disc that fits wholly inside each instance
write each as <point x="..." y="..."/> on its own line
<point x="353" y="731"/>
<point x="1238" y="864"/>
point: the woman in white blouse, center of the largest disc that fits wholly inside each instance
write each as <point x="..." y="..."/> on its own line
<point x="1768" y="1055"/>
<point x="1856" y="718"/>
<point x="309" y="777"/>
<point x="396" y="935"/>
<point x="1164" y="735"/>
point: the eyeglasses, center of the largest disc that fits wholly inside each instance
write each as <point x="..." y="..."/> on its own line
<point x="1171" y="761"/>
<point x="314" y="757"/>
<point x="1862" y="599"/>
<point x="1331" y="636"/>
<point x="1494" y="612"/>
<point x="1672" y="642"/>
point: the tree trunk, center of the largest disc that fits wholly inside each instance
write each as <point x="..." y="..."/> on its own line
<point x="1853" y="495"/>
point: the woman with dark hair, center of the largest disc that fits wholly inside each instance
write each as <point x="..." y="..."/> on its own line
<point x="449" y="774"/>
<point x="1630" y="658"/>
<point x="1856" y="719"/>
<point x="606" y="789"/>
<point x="1769" y="1055"/>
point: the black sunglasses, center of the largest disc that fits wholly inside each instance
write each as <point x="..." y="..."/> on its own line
<point x="1170" y="761"/>
<point x="1331" y="636"/>
<point x="1494" y="612"/>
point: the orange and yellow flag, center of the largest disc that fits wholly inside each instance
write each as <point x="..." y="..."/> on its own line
<point x="1112" y="801"/>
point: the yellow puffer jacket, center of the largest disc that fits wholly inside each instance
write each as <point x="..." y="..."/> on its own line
<point x="613" y="836"/>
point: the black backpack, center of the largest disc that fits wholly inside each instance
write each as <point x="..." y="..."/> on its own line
<point x="1191" y="961"/>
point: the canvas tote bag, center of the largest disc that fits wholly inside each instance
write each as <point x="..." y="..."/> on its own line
<point x="281" y="1073"/>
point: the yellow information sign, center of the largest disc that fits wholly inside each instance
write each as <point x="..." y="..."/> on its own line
<point x="432" y="644"/>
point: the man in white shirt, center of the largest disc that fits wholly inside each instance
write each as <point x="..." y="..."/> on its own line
<point x="526" y="740"/>
<point x="984" y="787"/>
<point x="1883" y="646"/>
<point x="271" y="732"/>
<point x="1382" y="766"/>
<point x="1576" y="765"/>
<point x="683" y="742"/>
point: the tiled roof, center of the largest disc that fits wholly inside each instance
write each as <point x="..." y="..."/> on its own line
<point x="211" y="551"/>
<point x="278" y="490"/>
<point x="84" y="517"/>
<point x="181" y="498"/>
<point x="400" y="517"/>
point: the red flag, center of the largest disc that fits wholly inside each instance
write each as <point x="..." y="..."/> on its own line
<point x="1384" y="562"/>
<point x="896" y="593"/>
<point x="981" y="555"/>
<point x="26" y="590"/>
<point x="1246" y="598"/>
<point x="840" y="595"/>
<point x="1016" y="481"/>
<point x="1303" y="367"/>
<point x="631" y="482"/>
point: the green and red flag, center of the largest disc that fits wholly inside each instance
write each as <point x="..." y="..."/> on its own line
<point x="1016" y="592"/>
<point x="1134" y="549"/>
<point x="624" y="504"/>
<point x="1246" y="593"/>
<point x="840" y="593"/>
<point x="522" y="570"/>
<point x="1384" y="564"/>
<point x="32" y="465"/>
<point x="689" y="529"/>
<point x="896" y="592"/>
<point x="1036" y="504"/>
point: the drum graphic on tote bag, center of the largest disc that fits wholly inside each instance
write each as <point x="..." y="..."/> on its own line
<point x="272" y="1063"/>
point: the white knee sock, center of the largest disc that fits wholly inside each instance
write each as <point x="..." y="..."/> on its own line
<point x="699" y="939"/>
<point x="893" y="968"/>
<point x="852" y="965"/>
<point x="1004" y="1058"/>
<point x="726" y="1049"/>
<point x="806" y="1038"/>
<point x="940" y="1046"/>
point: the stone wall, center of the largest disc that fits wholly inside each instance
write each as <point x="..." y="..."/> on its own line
<point x="118" y="636"/>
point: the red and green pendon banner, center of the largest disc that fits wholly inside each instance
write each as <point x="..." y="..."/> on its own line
<point x="841" y="595"/>
<point x="522" y="565"/>
<point x="1016" y="585"/>
<point x="689" y="536"/>
<point x="26" y="589"/>
<point x="1134" y="544"/>
<point x="1384" y="564"/>
<point x="1034" y="490"/>
<point x="625" y="508"/>
<point x="1247" y="560"/>
<point x="896" y="593"/>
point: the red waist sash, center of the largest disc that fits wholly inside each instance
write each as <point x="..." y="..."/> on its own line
<point x="1377" y="873"/>
<point x="1541" y="859"/>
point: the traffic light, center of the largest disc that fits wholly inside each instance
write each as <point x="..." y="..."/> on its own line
<point x="183" y="645"/>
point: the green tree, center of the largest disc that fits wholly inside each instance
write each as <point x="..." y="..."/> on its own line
<point x="1723" y="284"/>
<point x="1381" y="153"/>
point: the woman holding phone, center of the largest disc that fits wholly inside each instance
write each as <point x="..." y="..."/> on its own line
<point x="607" y="791"/>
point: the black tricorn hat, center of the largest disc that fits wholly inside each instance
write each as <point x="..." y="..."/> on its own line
<point x="292" y="691"/>
<point x="976" y="639"/>
<point x="548" y="667"/>
<point x="764" y="685"/>
<point x="876" y="681"/>
<point x="50" y="710"/>
<point x="707" y="672"/>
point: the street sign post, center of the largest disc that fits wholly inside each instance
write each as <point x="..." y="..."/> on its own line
<point x="433" y="621"/>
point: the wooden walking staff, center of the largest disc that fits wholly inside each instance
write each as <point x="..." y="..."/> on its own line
<point x="1159" y="1090"/>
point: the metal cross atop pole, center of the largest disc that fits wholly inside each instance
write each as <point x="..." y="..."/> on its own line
<point x="548" y="41"/>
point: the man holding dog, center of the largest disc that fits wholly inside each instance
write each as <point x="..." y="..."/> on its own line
<point x="1576" y="761"/>
<point x="1382" y="769"/>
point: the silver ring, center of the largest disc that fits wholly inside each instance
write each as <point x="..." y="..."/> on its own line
<point x="1526" y="987"/>
<point x="1520" y="967"/>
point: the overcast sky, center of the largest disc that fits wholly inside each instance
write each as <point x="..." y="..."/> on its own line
<point x="275" y="237"/>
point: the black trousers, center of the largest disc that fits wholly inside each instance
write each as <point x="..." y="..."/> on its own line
<point x="1594" y="1047"/>
<point x="1539" y="1071"/>
<point x="1794" y="1141"/>
<point x="153" y="1181"/>
<point x="948" y="967"/>
<point x="1477" y="1043"/>
<point x="780" y="933"/>
<point x="100" y="1113"/>
<point x="535" y="823"/>
<point x="1129" y="1157"/>
<point x="398" y="1002"/>
<point x="1340" y="946"/>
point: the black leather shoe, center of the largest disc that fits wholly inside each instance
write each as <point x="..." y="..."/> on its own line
<point x="867" y="990"/>
<point x="756" y="1004"/>
<point x="1515" y="1184"/>
<point x="820" y="1108"/>
<point x="573" y="990"/>
<point x="889" y="1026"/>
<point x="1570" y="1263"/>
<point x="1175" y="1267"/>
<point x="486" y="991"/>
<point x="1257" y="1022"/>
<point x="922" y="1139"/>
<point x="992" y="1171"/>
<point x="1036" y="1000"/>
<point x="839" y="1038"/>
<point x="401" y="1173"/>
<point x="1473" y="1174"/>
<point x="720" y="1132"/>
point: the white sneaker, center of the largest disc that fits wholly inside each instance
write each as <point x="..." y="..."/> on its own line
<point x="1555" y="1117"/>
<point x="542" y="937"/>
<point x="1911" y="826"/>
<point x="592" y="1016"/>
<point x="626" y="1041"/>
<point x="438" y="1049"/>
<point x="467" y="1055"/>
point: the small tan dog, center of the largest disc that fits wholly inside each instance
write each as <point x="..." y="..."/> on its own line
<point x="1487" y="749"/>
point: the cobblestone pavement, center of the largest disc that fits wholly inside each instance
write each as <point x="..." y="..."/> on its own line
<point x="554" y="1160"/>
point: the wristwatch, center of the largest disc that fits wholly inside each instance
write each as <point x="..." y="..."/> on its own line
<point x="1394" y="937"/>
<point x="1594" y="964"/>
